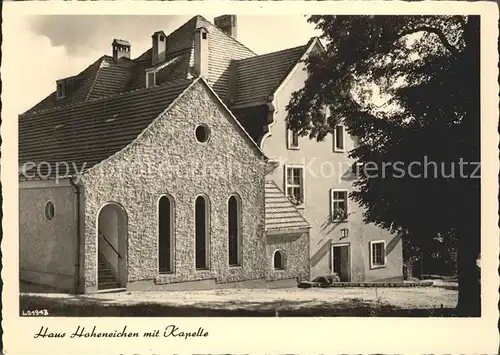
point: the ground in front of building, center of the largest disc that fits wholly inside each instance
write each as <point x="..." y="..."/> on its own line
<point x="438" y="300"/>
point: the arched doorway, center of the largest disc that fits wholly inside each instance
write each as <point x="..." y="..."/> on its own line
<point x="112" y="247"/>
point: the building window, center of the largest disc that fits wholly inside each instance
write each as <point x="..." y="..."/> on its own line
<point x="61" y="90"/>
<point x="162" y="39"/>
<point x="294" y="184"/>
<point x="202" y="133"/>
<point x="234" y="232"/>
<point x="151" y="79"/>
<point x="50" y="211"/>
<point x="377" y="254"/>
<point x="338" y="199"/>
<point x="292" y="139"/>
<point x="279" y="260"/>
<point x="201" y="232"/>
<point x="165" y="234"/>
<point x="339" y="139"/>
<point x="204" y="35"/>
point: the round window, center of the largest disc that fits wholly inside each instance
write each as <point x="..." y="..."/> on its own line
<point x="49" y="211"/>
<point x="202" y="133"/>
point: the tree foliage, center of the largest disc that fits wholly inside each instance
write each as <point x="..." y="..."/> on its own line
<point x="408" y="88"/>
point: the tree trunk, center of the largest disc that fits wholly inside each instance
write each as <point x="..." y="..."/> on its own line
<point x="469" y="229"/>
<point x="469" y="281"/>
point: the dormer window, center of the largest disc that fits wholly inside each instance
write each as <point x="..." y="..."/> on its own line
<point x="61" y="90"/>
<point x="151" y="79"/>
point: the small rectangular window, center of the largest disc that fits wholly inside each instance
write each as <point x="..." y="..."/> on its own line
<point x="338" y="200"/>
<point x="377" y="254"/>
<point x="292" y="139"/>
<point x="294" y="184"/>
<point x="339" y="139"/>
<point x="162" y="39"/>
<point x="151" y="79"/>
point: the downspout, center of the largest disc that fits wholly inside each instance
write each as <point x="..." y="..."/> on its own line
<point x="76" y="189"/>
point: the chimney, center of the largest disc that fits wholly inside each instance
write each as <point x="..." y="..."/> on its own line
<point x="227" y="24"/>
<point x="121" y="48"/>
<point x="201" y="52"/>
<point x="159" y="48"/>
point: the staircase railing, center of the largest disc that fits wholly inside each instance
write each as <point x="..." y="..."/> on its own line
<point x="101" y="235"/>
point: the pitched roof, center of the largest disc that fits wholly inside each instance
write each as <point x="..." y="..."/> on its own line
<point x="106" y="77"/>
<point x="175" y="67"/>
<point x="258" y="77"/>
<point x="86" y="133"/>
<point x="222" y="49"/>
<point x="102" y="78"/>
<point x="281" y="213"/>
<point x="230" y="63"/>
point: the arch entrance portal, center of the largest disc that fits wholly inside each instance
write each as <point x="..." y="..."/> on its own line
<point x="112" y="247"/>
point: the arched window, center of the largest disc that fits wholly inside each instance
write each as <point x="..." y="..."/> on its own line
<point x="165" y="234"/>
<point x="234" y="232"/>
<point x="279" y="260"/>
<point x="201" y="232"/>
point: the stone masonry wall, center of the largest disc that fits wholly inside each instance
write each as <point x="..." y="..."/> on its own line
<point x="167" y="159"/>
<point x="296" y="254"/>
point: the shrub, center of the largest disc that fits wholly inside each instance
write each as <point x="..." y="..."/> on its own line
<point x="327" y="280"/>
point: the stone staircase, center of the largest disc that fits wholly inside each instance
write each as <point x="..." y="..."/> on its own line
<point x="106" y="278"/>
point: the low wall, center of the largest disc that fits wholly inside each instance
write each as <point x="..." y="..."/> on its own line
<point x="366" y="284"/>
<point x="150" y="285"/>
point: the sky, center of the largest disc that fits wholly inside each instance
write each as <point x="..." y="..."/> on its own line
<point x="59" y="46"/>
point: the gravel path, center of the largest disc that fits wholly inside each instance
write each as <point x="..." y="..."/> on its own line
<point x="292" y="298"/>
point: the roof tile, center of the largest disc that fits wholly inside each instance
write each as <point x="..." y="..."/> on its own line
<point x="281" y="213"/>
<point x="106" y="77"/>
<point x="258" y="77"/>
<point x="89" y="132"/>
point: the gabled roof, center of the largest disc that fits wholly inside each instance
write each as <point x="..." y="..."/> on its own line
<point x="85" y="134"/>
<point x="92" y="131"/>
<point x="281" y="213"/>
<point x="258" y="77"/>
<point x="106" y="77"/>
